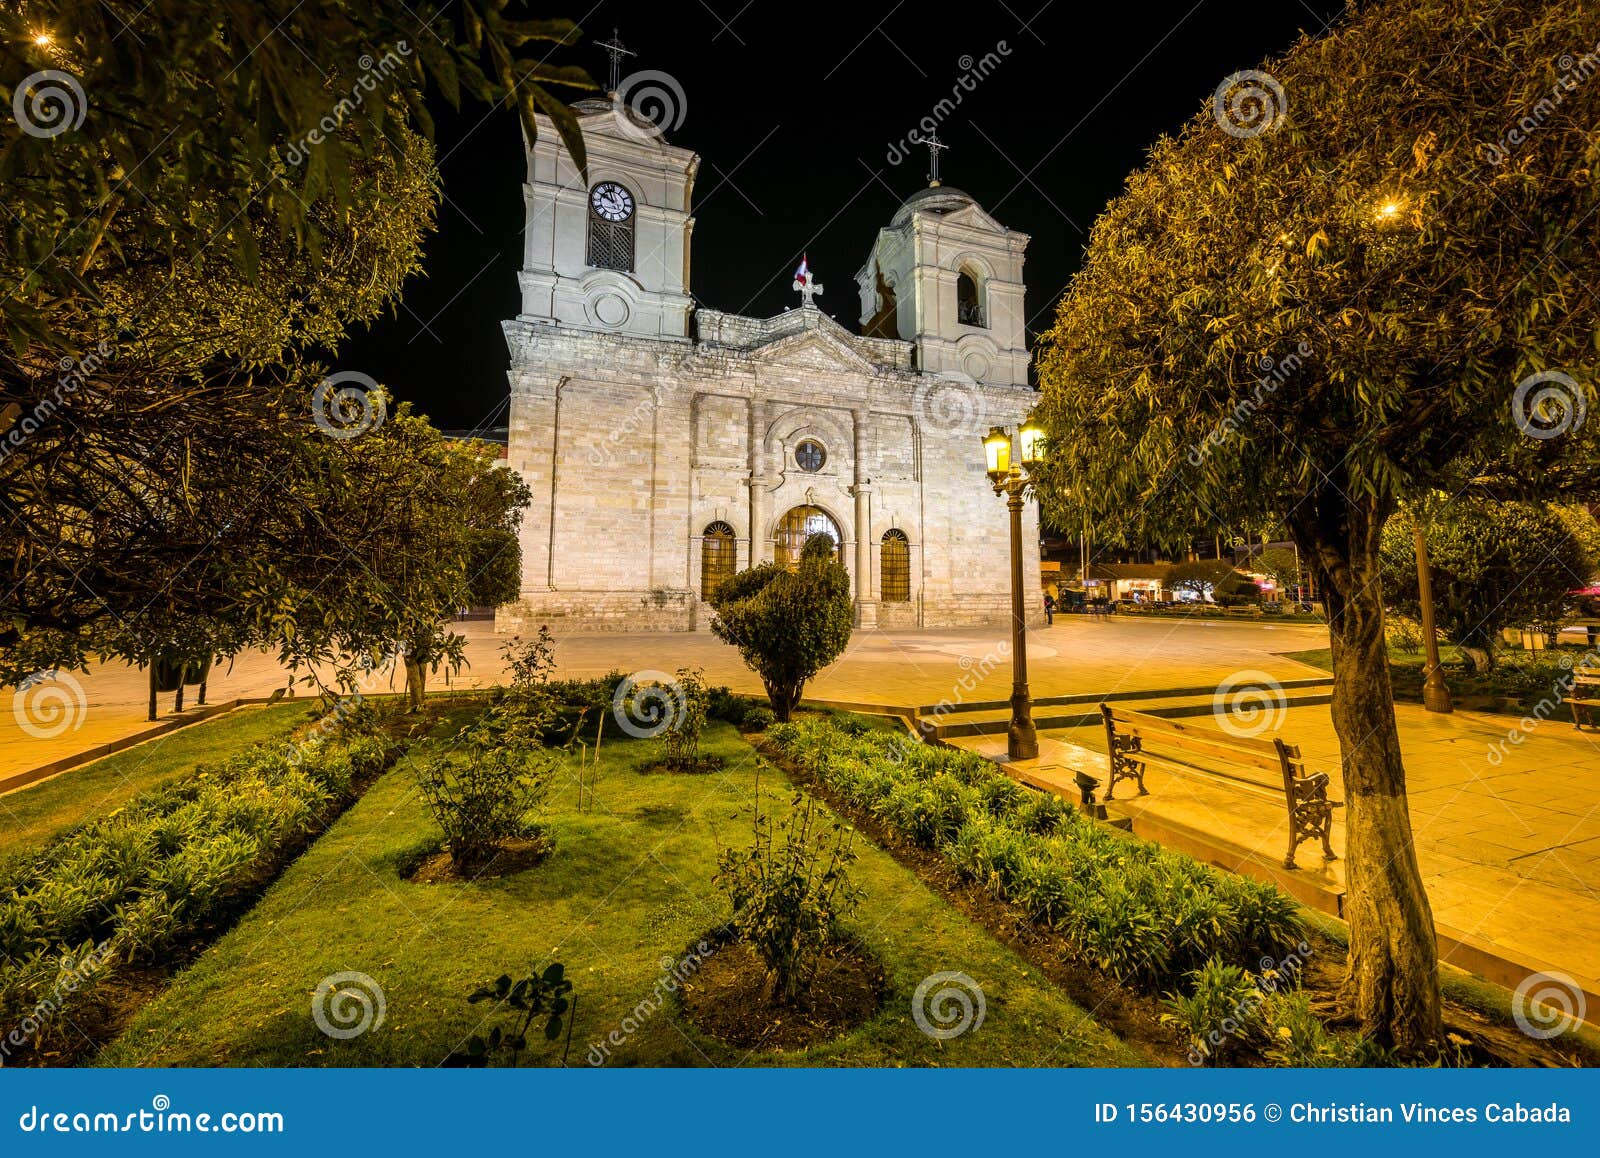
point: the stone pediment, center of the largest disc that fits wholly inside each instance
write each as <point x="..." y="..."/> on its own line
<point x="806" y="338"/>
<point x="813" y="350"/>
<point x="974" y="217"/>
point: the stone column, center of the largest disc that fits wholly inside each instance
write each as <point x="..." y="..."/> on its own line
<point x="866" y="606"/>
<point x="760" y="496"/>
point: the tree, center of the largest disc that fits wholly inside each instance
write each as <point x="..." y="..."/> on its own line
<point x="184" y="115"/>
<point x="1199" y="578"/>
<point x="1375" y="288"/>
<point x="1494" y="565"/>
<point x="210" y="210"/>
<point x="1279" y="564"/>
<point x="139" y="478"/>
<point x="788" y="625"/>
<point x="406" y="529"/>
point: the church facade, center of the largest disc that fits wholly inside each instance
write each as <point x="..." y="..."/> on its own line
<point x="669" y="445"/>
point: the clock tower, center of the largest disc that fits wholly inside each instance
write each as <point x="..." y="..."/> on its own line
<point x="610" y="254"/>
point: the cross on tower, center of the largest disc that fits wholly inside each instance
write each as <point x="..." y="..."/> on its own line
<point x="935" y="147"/>
<point x="805" y="283"/>
<point x="616" y="52"/>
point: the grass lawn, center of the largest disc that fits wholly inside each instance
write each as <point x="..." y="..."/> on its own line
<point x="1524" y="677"/>
<point x="629" y="884"/>
<point x="31" y="816"/>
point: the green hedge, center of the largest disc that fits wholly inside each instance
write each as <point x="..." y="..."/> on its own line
<point x="132" y="884"/>
<point x="1144" y="914"/>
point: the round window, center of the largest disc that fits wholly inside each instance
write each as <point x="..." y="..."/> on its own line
<point x="810" y="456"/>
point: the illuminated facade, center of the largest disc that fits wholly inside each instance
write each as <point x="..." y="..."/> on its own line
<point x="668" y="445"/>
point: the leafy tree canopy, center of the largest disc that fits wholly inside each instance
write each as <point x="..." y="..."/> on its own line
<point x="187" y="116"/>
<point x="1494" y="565"/>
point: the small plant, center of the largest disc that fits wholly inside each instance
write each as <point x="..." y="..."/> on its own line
<point x="789" y="892"/>
<point x="681" y="736"/>
<point x="757" y="720"/>
<point x="1405" y="634"/>
<point x="483" y="796"/>
<point x="543" y="994"/>
<point x="530" y="661"/>
<point x="722" y="704"/>
<point x="1224" y="1009"/>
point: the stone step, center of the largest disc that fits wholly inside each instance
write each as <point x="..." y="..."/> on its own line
<point x="1084" y="711"/>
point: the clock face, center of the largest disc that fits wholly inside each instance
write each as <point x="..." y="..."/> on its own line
<point x="611" y="201"/>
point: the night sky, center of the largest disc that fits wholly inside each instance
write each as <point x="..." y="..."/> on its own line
<point x="794" y="108"/>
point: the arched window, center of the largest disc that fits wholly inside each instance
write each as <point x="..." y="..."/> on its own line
<point x="799" y="525"/>
<point x="718" y="557"/>
<point x="969" y="300"/>
<point x="895" y="559"/>
<point x="611" y="220"/>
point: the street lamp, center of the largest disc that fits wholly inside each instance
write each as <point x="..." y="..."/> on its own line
<point x="1009" y="462"/>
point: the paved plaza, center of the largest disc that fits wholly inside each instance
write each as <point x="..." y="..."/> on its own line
<point x="1077" y="654"/>
<point x="1507" y="834"/>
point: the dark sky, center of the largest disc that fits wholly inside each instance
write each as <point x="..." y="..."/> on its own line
<point x="793" y="108"/>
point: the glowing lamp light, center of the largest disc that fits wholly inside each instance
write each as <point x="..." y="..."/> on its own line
<point x="43" y="39"/>
<point x="1031" y="437"/>
<point x="997" y="453"/>
<point x="1389" y="210"/>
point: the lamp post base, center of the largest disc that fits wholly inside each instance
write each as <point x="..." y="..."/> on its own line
<point x="1022" y="740"/>
<point x="1435" y="695"/>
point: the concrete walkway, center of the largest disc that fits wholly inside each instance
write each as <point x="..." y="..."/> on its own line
<point x="1507" y="835"/>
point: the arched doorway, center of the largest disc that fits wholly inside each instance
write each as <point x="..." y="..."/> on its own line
<point x="799" y="525"/>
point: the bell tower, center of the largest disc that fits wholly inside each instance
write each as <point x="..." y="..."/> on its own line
<point x="947" y="277"/>
<point x="610" y="254"/>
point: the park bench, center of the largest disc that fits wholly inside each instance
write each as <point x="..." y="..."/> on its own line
<point x="1269" y="769"/>
<point x="1583" y="697"/>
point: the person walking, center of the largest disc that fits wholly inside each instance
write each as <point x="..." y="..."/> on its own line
<point x="1049" y="609"/>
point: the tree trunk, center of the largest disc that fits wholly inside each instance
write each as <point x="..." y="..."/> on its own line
<point x="416" y="683"/>
<point x="785" y="698"/>
<point x="1392" y="985"/>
